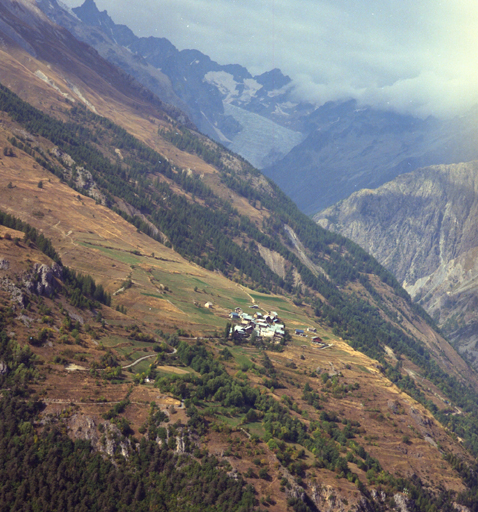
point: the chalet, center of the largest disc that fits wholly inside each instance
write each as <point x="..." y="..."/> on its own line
<point x="316" y="339"/>
<point x="238" y="332"/>
<point x="299" y="331"/>
<point x="279" y="330"/>
<point x="254" y="306"/>
<point x="258" y="315"/>
<point x="248" y="329"/>
<point x="209" y="305"/>
<point x="311" y="329"/>
<point x="247" y="318"/>
<point x="234" y="316"/>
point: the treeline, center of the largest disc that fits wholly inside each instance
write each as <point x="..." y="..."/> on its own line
<point x="202" y="233"/>
<point x="191" y="228"/>
<point x="184" y="140"/>
<point x="43" y="244"/>
<point x="82" y="290"/>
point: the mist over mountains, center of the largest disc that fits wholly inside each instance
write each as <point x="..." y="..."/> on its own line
<point x="318" y="155"/>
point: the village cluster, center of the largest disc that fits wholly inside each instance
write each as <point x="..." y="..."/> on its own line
<point x="266" y="326"/>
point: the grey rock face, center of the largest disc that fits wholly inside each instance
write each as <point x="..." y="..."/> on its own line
<point x="104" y="436"/>
<point x="16" y="294"/>
<point x="422" y="227"/>
<point x="401" y="502"/>
<point x="42" y="280"/>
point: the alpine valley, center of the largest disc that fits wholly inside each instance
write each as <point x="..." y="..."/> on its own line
<point x="175" y="334"/>
<point x="319" y="155"/>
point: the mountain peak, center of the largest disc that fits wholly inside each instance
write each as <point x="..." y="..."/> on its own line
<point x="90" y="11"/>
<point x="90" y="14"/>
<point x="273" y="79"/>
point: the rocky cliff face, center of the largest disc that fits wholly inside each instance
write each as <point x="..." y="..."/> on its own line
<point x="422" y="226"/>
<point x="41" y="280"/>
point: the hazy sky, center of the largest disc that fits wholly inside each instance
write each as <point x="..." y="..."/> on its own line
<point x="415" y="56"/>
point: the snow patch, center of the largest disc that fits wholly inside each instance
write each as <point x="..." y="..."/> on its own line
<point x="224" y="82"/>
<point x="251" y="87"/>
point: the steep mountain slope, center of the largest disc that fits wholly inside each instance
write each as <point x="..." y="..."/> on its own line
<point x="422" y="227"/>
<point x="306" y="150"/>
<point x="181" y="232"/>
<point x="223" y="101"/>
<point x="350" y="148"/>
<point x="104" y="42"/>
<point x="50" y="68"/>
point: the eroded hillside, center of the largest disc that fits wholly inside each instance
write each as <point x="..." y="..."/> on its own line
<point x="422" y="227"/>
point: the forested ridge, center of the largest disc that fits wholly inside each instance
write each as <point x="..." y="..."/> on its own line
<point x="47" y="471"/>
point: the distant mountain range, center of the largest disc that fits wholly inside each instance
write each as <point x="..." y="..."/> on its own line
<point x="225" y="102"/>
<point x="350" y="148"/>
<point x="317" y="155"/>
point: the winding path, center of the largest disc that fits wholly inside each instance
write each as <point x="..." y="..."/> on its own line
<point x="134" y="363"/>
<point x="137" y="361"/>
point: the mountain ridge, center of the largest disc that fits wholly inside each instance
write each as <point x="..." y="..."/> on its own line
<point x="303" y="148"/>
<point x="365" y="148"/>
<point x="190" y="75"/>
<point x="421" y="227"/>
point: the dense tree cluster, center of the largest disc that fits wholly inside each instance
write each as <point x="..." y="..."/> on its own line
<point x="47" y="471"/>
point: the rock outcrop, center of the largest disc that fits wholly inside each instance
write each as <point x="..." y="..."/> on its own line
<point x="104" y="436"/>
<point x="41" y="280"/>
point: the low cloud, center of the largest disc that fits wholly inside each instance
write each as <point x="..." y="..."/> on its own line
<point x="412" y="57"/>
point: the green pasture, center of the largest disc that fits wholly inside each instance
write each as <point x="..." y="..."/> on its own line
<point x="123" y="257"/>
